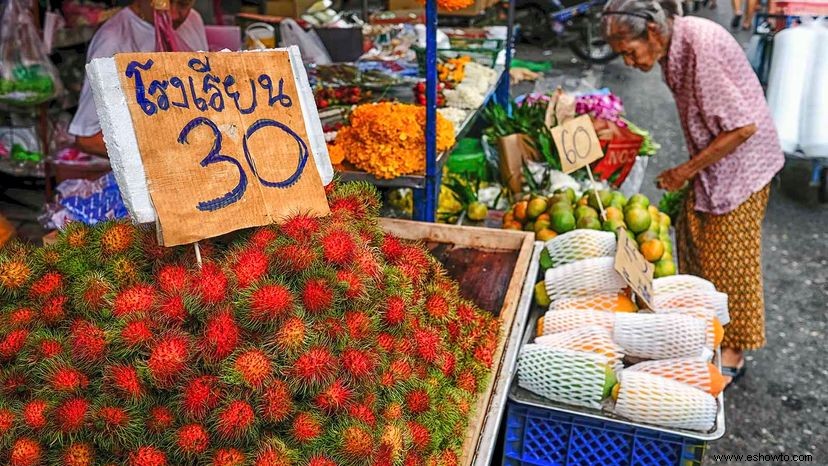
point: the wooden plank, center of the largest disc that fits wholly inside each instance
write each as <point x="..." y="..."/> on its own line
<point x="484" y="238"/>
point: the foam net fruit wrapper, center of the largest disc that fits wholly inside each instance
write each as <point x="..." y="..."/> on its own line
<point x="662" y="336"/>
<point x="648" y="398"/>
<point x="690" y="371"/>
<point x="577" y="245"/>
<point x="597" y="302"/>
<point x="681" y="283"/>
<point x="702" y="313"/>
<point x="566" y="376"/>
<point x="692" y="299"/>
<point x="569" y="319"/>
<point x="583" y="278"/>
<point x="596" y="340"/>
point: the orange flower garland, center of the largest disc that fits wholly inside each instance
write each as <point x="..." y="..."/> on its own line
<point x="388" y="139"/>
<point x="452" y="5"/>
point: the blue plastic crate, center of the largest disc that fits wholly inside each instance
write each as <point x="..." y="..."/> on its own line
<point x="545" y="437"/>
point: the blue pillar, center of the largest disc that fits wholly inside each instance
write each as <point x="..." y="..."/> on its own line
<point x="425" y="202"/>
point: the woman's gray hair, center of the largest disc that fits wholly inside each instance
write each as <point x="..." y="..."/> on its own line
<point x="627" y="19"/>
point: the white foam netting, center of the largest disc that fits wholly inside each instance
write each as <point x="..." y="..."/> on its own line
<point x="598" y="302"/>
<point x="694" y="298"/>
<point x="583" y="278"/>
<point x="702" y="313"/>
<point x="569" y="319"/>
<point x="676" y="283"/>
<point x="657" y="400"/>
<point x="562" y="375"/>
<point x="690" y="371"/>
<point x="596" y="340"/>
<point x="663" y="336"/>
<point x="577" y="245"/>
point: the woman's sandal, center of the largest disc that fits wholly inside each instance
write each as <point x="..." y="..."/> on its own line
<point x="735" y="373"/>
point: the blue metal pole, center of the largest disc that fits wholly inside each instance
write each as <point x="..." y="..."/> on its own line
<point x="503" y="87"/>
<point x="427" y="208"/>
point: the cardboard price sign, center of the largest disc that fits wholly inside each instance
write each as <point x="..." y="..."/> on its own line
<point x="577" y="143"/>
<point x="223" y="139"/>
<point x="633" y="267"/>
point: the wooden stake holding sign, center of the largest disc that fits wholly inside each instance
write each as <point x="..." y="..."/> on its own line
<point x="225" y="139"/>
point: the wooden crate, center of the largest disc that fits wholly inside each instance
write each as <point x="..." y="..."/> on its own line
<point x="491" y="268"/>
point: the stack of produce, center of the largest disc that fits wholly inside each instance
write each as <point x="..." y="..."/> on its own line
<point x="565" y="211"/>
<point x="593" y="329"/>
<point x="388" y="139"/>
<point x="453" y="70"/>
<point x="320" y="342"/>
<point x="420" y="94"/>
<point x="327" y="96"/>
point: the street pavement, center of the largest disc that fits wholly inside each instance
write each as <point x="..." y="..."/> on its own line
<point x="781" y="405"/>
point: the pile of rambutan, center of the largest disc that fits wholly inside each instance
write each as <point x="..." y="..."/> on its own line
<point x="320" y="341"/>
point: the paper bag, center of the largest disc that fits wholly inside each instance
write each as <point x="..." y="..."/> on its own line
<point x="514" y="150"/>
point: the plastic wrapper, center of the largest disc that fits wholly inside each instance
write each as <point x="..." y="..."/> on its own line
<point x="85" y="201"/>
<point x="27" y="76"/>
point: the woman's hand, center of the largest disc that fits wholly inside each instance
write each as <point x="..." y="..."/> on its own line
<point x="675" y="178"/>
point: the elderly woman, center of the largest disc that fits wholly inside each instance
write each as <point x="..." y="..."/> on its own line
<point x="734" y="153"/>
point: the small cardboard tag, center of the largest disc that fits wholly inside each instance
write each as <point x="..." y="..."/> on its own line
<point x="633" y="267"/>
<point x="577" y="143"/>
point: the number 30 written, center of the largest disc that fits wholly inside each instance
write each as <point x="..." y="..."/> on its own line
<point x="215" y="156"/>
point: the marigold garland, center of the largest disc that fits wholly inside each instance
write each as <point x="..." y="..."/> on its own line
<point x="388" y="139"/>
<point x="452" y="5"/>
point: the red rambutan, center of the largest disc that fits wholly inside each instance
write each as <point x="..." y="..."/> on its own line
<point x="147" y="456"/>
<point x="335" y="397"/>
<point x="392" y="248"/>
<point x="93" y="293"/>
<point x="420" y="436"/>
<point x="192" y="439"/>
<point x="87" y="341"/>
<point x="117" y="239"/>
<point x="14" y="274"/>
<point x="48" y="348"/>
<point x="112" y="418"/>
<point x="78" y="454"/>
<point x="12" y="343"/>
<point x="393" y="411"/>
<point x="235" y="420"/>
<point x="173" y="279"/>
<point x="437" y="307"/>
<point x="21" y="317"/>
<point x="294" y="257"/>
<point x="453" y="329"/>
<point x="135" y="299"/>
<point x="13" y="383"/>
<point x="228" y="457"/>
<point x="70" y="416"/>
<point x="270" y="302"/>
<point x="305" y="428"/>
<point x="53" y="311"/>
<point x="262" y="238"/>
<point x="291" y="335"/>
<point x="356" y="443"/>
<point x="173" y="311"/>
<point x="467" y="381"/>
<point x="160" y="419"/>
<point x="414" y="264"/>
<point x="447" y="363"/>
<point x="317" y="295"/>
<point x="358" y="324"/>
<point x="355" y="288"/>
<point x="362" y="413"/>
<point x="338" y="247"/>
<point x="168" y="358"/>
<point x="300" y="227"/>
<point x="314" y="367"/>
<point x="124" y="379"/>
<point x="276" y="402"/>
<point x="7" y="419"/>
<point x="319" y="460"/>
<point x="26" y="451"/>
<point x="428" y="344"/>
<point x="385" y="341"/>
<point x="418" y="401"/>
<point x="270" y="455"/>
<point x="484" y="354"/>
<point x="35" y="413"/>
<point x="254" y="367"/>
<point x="137" y="333"/>
<point x="250" y="266"/>
<point x="401" y="369"/>
<point x="210" y="284"/>
<point x="221" y="336"/>
<point x="199" y="396"/>
<point x="47" y="285"/>
<point x="367" y="265"/>
<point x="68" y="380"/>
<point x="394" y="311"/>
<point x="358" y="363"/>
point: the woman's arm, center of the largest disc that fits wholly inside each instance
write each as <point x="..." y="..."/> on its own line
<point x="92" y="144"/>
<point x="722" y="145"/>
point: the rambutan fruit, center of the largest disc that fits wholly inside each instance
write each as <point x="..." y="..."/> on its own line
<point x="116" y="238"/>
<point x="147" y="456"/>
<point x="334" y="397"/>
<point x="235" y="420"/>
<point x="172" y="310"/>
<point x="294" y="258"/>
<point x="48" y="348"/>
<point x="359" y="364"/>
<point x="270" y="303"/>
<point x="401" y="369"/>
<point x="47" y="285"/>
<point x="466" y="380"/>
<point x="125" y="381"/>
<point x="367" y="264"/>
<point x="392" y="248"/>
<point x="125" y="271"/>
<point x="93" y="291"/>
<point x="393" y="411"/>
<point x="262" y="238"/>
<point x="78" y="454"/>
<point x="135" y="299"/>
<point x="13" y="383"/>
<point x="173" y="278"/>
<point x="357" y="199"/>
<point x="274" y="452"/>
<point x="420" y="436"/>
<point x="354" y="288"/>
<point x="14" y="273"/>
<point x="414" y="264"/>
<point x="394" y="312"/>
<point x="305" y="428"/>
<point x="250" y="266"/>
<point x="87" y="341"/>
<point x="299" y="227"/>
<point x="276" y="402"/>
<point x="228" y="457"/>
<point x="385" y="341"/>
<point x="159" y="419"/>
<point x="428" y="344"/>
<point x="192" y="439"/>
<point x="437" y="307"/>
<point x="35" y="414"/>
<point x="220" y="337"/>
<point x="26" y="451"/>
<point x="70" y="416"/>
<point x="168" y="357"/>
<point x="7" y="420"/>
<point x="362" y="413"/>
<point x="53" y="311"/>
<point x="447" y="362"/>
<point x="253" y="367"/>
<point x="359" y="325"/>
<point x="338" y="247"/>
<point x="317" y="295"/>
<point x="210" y="284"/>
<point x="314" y="367"/>
<point x="76" y="235"/>
<point x="199" y="396"/>
<point x="20" y="317"/>
<point x="356" y="443"/>
<point x="418" y="401"/>
<point x="319" y="460"/>
<point x="12" y="343"/>
<point x="484" y="354"/>
<point x="112" y="420"/>
<point x="67" y="379"/>
<point x="291" y="335"/>
<point x="137" y="333"/>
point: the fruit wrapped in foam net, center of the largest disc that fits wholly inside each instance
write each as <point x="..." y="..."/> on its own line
<point x="691" y="371"/>
<point x="681" y="283"/>
<point x="664" y="336"/>
<point x="597" y="340"/>
<point x="567" y="376"/>
<point x="570" y="319"/>
<point x="578" y="245"/>
<point x="583" y="278"/>
<point x="689" y="299"/>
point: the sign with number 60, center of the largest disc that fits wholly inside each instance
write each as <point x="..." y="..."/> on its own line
<point x="577" y="143"/>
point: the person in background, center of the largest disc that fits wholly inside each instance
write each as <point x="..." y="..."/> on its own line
<point x="742" y="16"/>
<point x="734" y="154"/>
<point x="131" y="30"/>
